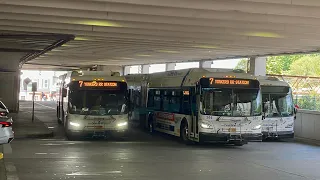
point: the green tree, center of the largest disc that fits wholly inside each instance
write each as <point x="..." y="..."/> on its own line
<point x="281" y="64"/>
<point x="306" y="66"/>
<point x="243" y="65"/>
<point x="278" y="64"/>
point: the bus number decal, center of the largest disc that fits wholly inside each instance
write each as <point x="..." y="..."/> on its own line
<point x="80" y="82"/>
<point x="211" y="80"/>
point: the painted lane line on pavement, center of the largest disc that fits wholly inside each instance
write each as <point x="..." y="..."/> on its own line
<point x="44" y="106"/>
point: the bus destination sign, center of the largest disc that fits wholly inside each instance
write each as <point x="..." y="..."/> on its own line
<point x="214" y="81"/>
<point x="229" y="82"/>
<point x="97" y="84"/>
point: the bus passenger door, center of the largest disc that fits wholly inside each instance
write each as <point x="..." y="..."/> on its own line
<point x="194" y="103"/>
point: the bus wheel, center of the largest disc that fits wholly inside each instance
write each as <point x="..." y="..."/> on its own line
<point x="72" y="137"/>
<point x="59" y="121"/>
<point x="58" y="117"/>
<point x="184" y="132"/>
<point x="150" y="124"/>
<point x="239" y="144"/>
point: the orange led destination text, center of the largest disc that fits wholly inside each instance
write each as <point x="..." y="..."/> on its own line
<point x="231" y="82"/>
<point x="97" y="84"/>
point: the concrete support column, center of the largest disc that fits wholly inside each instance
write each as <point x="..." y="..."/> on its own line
<point x="126" y="70"/>
<point x="145" y="69"/>
<point x="258" y="66"/>
<point x="170" y="66"/>
<point x="10" y="79"/>
<point x="205" y="64"/>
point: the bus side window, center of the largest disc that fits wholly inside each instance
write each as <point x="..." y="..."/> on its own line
<point x="157" y="100"/>
<point x="166" y="100"/>
<point x="150" y="99"/>
<point x="186" y="107"/>
<point x="175" y="101"/>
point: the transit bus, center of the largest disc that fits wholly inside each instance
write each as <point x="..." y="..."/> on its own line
<point x="200" y="105"/>
<point x="278" y="108"/>
<point x="92" y="103"/>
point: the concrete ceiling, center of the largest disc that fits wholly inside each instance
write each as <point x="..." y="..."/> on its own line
<point x="128" y="32"/>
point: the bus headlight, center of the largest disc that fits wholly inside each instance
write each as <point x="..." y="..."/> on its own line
<point x="205" y="126"/>
<point x="122" y="124"/>
<point x="256" y="127"/>
<point x="74" y="124"/>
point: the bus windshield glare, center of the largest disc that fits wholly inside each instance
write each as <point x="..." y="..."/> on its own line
<point x="277" y="104"/>
<point x="231" y="102"/>
<point x="98" y="101"/>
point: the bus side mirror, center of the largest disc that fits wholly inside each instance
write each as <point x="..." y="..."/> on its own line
<point x="64" y="92"/>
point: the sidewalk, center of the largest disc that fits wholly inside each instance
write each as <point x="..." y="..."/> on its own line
<point x="24" y="128"/>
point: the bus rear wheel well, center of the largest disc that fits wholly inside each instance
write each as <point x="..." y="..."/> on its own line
<point x="183" y="122"/>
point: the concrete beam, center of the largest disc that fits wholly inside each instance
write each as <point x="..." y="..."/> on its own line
<point x="205" y="64"/>
<point x="178" y="8"/>
<point x="110" y="69"/>
<point x="145" y="69"/>
<point x="170" y="66"/>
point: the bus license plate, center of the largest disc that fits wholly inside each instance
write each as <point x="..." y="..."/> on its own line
<point x="232" y="130"/>
<point x="98" y="127"/>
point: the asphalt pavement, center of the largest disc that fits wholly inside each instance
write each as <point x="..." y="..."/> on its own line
<point x="153" y="157"/>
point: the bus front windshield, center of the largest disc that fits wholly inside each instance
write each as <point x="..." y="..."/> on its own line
<point x="231" y="102"/>
<point x="97" y="102"/>
<point x="278" y="104"/>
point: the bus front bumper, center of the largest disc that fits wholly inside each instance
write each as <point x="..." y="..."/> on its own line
<point x="99" y="133"/>
<point x="229" y="138"/>
<point x="279" y="134"/>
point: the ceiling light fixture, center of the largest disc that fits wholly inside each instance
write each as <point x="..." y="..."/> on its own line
<point x="264" y="34"/>
<point x="99" y="23"/>
<point x="143" y="55"/>
<point x="205" y="46"/>
<point x="79" y="38"/>
<point x="167" y="51"/>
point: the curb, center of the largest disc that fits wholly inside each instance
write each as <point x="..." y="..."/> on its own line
<point x="36" y="136"/>
<point x="307" y="141"/>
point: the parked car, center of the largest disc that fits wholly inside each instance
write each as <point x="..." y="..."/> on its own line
<point x="6" y="132"/>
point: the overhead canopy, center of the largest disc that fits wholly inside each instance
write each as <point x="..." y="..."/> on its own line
<point x="128" y="32"/>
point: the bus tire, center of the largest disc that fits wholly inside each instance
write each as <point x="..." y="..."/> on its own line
<point x="58" y="116"/>
<point x="150" y="124"/>
<point x="72" y="137"/>
<point x="184" y="132"/>
<point x="238" y="144"/>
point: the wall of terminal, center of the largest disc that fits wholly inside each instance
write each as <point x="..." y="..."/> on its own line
<point x="307" y="125"/>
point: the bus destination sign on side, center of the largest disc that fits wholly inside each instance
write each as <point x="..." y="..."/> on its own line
<point x="97" y="84"/>
<point x="214" y="81"/>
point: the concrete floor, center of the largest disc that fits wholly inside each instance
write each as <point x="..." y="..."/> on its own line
<point x="146" y="157"/>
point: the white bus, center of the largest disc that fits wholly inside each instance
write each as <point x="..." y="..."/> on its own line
<point x="199" y="105"/>
<point x="278" y="108"/>
<point x="92" y="103"/>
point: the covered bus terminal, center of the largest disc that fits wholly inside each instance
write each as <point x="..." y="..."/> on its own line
<point x="112" y="36"/>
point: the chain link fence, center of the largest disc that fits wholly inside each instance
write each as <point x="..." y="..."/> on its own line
<point x="309" y="102"/>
